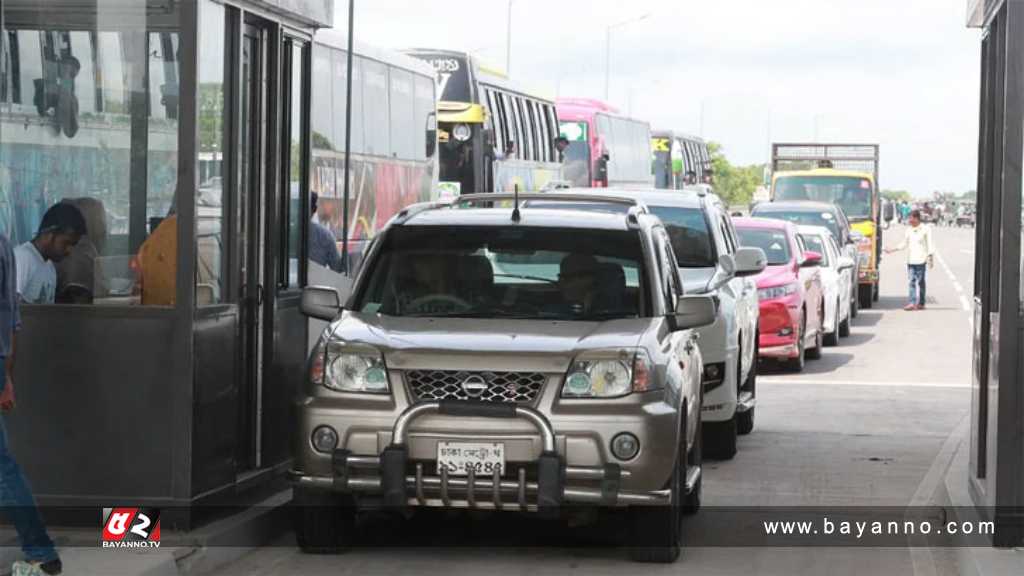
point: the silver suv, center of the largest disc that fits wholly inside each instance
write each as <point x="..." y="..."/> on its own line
<point x="506" y="359"/>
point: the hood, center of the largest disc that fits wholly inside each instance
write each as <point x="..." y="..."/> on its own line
<point x="482" y="344"/>
<point x="775" y="276"/>
<point x="696" y="280"/>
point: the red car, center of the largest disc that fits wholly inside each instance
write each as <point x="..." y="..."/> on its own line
<point x="789" y="291"/>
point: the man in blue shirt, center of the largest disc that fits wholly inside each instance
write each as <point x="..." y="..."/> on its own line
<point x="323" y="246"/>
<point x="15" y="495"/>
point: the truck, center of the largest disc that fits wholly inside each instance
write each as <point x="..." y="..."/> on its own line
<point x="841" y="174"/>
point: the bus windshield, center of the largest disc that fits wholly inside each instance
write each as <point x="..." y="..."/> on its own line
<point x="576" y="167"/>
<point x="851" y="193"/>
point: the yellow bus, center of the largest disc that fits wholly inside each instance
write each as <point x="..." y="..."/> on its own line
<point x="492" y="134"/>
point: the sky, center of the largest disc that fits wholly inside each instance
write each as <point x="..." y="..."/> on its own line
<point x="743" y="73"/>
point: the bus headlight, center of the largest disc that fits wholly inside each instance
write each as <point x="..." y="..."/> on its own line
<point x="462" y="132"/>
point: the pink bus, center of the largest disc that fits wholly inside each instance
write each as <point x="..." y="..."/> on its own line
<point x="605" y="147"/>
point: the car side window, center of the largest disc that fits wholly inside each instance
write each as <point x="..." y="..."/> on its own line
<point x="671" y="286"/>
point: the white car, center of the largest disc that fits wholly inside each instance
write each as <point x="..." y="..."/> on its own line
<point x="836" y="279"/>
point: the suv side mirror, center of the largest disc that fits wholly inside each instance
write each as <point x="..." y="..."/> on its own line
<point x="750" y="262"/>
<point x="695" y="311"/>
<point x="811" y="260"/>
<point x="726" y="271"/>
<point x="321" y="303"/>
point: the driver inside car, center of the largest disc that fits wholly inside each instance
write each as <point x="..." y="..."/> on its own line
<point x="577" y="274"/>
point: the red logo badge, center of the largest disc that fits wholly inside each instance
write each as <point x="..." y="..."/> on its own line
<point x="131" y="527"/>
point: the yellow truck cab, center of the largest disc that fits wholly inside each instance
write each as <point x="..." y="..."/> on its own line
<point x="845" y="175"/>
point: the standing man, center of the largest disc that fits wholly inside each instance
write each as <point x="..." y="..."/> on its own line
<point x="920" y="254"/>
<point x="323" y="246"/>
<point x="15" y="495"/>
<point x="61" y="229"/>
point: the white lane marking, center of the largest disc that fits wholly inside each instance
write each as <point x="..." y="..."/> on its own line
<point x="782" y="380"/>
<point x="956" y="283"/>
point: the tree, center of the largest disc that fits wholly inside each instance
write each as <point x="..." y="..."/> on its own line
<point x="897" y="195"/>
<point x="734" y="184"/>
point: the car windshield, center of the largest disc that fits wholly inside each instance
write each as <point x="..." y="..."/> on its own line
<point x="816" y="243"/>
<point x="691" y="239"/>
<point x="852" y="194"/>
<point x="773" y="242"/>
<point x="506" y="272"/>
<point x="802" y="217"/>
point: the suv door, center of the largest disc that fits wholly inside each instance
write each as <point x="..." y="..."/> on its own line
<point x="685" y="365"/>
<point x="743" y="291"/>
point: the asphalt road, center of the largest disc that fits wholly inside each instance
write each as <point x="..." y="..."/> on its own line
<point x="866" y="426"/>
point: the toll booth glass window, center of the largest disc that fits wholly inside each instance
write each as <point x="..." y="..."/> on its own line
<point x="89" y="116"/>
<point x="292" y="210"/>
<point x="210" y="212"/>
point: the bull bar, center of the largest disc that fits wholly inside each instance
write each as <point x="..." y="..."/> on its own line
<point x="551" y="489"/>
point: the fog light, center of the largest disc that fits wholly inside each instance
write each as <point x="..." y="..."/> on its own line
<point x="325" y="439"/>
<point x="712" y="372"/>
<point x="786" y="332"/>
<point x="625" y="446"/>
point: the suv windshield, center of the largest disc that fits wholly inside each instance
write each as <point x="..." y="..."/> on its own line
<point x="773" y="242"/>
<point x="506" y="272"/>
<point x="802" y="218"/>
<point x="691" y="239"/>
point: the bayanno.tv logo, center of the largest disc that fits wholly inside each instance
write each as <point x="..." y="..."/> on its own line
<point x="131" y="527"/>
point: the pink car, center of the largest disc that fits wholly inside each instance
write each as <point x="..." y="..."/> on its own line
<point x="789" y="291"/>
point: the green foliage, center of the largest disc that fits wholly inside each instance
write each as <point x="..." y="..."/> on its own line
<point x="897" y="195"/>
<point x="735" y="184"/>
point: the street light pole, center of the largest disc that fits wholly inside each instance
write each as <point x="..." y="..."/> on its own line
<point x="608" y="51"/>
<point x="508" y="40"/>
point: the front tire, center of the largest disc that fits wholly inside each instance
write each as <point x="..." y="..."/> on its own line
<point x="720" y="439"/>
<point x="844" y="326"/>
<point x="865" y="294"/>
<point x="832" y="338"/>
<point x="800" y="362"/>
<point x="745" y="420"/>
<point x="324" y="522"/>
<point x="657" y="531"/>
<point x="814" y="353"/>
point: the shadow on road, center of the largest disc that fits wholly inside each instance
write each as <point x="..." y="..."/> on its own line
<point x="831" y="361"/>
<point x="856" y="339"/>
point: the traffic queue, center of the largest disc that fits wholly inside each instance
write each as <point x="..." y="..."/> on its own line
<point x="577" y="352"/>
<point x="571" y="321"/>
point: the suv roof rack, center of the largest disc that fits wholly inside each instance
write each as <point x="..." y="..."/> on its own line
<point x="413" y="209"/>
<point x="636" y="206"/>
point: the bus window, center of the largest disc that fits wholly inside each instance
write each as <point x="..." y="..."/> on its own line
<point x="501" y="144"/>
<point x="402" y="113"/>
<point x="424" y="107"/>
<point x="494" y="119"/>
<point x="85" y="82"/>
<point x="552" y="130"/>
<point x="523" y="148"/>
<point x="534" y="131"/>
<point x="543" y="136"/>
<point x="322" y="113"/>
<point x="375" y="108"/>
<point x="516" y="148"/>
<point x="340" y="80"/>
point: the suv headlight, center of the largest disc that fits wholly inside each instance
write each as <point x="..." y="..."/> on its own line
<point x="609" y="374"/>
<point x="777" y="291"/>
<point x="345" y="367"/>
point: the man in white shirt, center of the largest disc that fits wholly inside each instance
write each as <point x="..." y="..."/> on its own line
<point x="61" y="229"/>
<point x="920" y="256"/>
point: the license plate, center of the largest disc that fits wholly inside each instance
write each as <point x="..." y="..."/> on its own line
<point x="458" y="458"/>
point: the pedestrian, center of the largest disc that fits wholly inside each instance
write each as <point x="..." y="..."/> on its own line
<point x="323" y="246"/>
<point x="62" y="227"/>
<point x="920" y="256"/>
<point x="15" y="495"/>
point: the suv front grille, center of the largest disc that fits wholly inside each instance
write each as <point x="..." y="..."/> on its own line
<point x="505" y="387"/>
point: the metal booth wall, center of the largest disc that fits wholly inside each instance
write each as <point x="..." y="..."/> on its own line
<point x="149" y="384"/>
<point x="997" y="406"/>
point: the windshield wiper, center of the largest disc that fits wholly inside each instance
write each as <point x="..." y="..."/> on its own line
<point x="523" y="277"/>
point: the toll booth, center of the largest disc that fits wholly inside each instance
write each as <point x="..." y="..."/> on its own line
<point x="164" y="373"/>
<point x="996" y="470"/>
